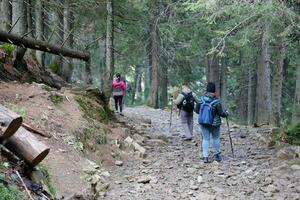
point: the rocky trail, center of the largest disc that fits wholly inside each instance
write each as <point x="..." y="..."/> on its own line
<point x="172" y="168"/>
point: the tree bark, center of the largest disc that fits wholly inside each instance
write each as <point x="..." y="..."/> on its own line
<point x="107" y="80"/>
<point x="68" y="40"/>
<point x="39" y="28"/>
<point x="252" y="80"/>
<point x="57" y="37"/>
<point x="223" y="85"/>
<point x="243" y="91"/>
<point x="207" y="67"/>
<point x="29" y="17"/>
<point x="164" y="87"/>
<point x="42" y="46"/>
<point x="153" y="53"/>
<point x="263" y="96"/>
<point x="215" y="73"/>
<point x="88" y="73"/>
<point x="27" y="146"/>
<point x="296" y="106"/>
<point x="5" y="15"/>
<point x="19" y="19"/>
<point x="277" y="82"/>
<point x="9" y="122"/>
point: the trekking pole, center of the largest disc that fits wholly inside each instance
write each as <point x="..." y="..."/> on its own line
<point x="230" y="137"/>
<point x="171" y="113"/>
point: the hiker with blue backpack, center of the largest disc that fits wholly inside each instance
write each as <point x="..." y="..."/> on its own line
<point x="210" y="112"/>
<point x="185" y="101"/>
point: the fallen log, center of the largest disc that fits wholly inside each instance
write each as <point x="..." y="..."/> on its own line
<point x="42" y="46"/>
<point x="34" y="130"/>
<point x="27" y="147"/>
<point x="9" y="122"/>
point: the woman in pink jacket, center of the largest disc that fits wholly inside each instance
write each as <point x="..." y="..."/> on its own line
<point x="118" y="91"/>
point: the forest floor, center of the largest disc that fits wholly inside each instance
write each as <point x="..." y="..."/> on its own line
<point x="173" y="169"/>
<point x="169" y="169"/>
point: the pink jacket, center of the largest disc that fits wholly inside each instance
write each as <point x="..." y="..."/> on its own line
<point x="118" y="88"/>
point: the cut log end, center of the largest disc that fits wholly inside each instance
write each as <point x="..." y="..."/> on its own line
<point x="12" y="127"/>
<point x="39" y="158"/>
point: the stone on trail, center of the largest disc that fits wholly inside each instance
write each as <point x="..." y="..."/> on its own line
<point x="200" y="179"/>
<point x="270" y="189"/>
<point x="205" y="196"/>
<point x="289" y="153"/>
<point x="144" y="179"/>
<point x="194" y="187"/>
<point x="295" y="167"/>
<point x="119" y="163"/>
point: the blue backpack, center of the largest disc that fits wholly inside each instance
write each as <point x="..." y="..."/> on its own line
<point x="206" y="115"/>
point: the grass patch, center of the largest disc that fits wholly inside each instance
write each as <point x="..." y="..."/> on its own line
<point x="47" y="180"/>
<point x="18" y="109"/>
<point x="9" y="192"/>
<point x="56" y="99"/>
<point x="46" y="87"/>
<point x="54" y="67"/>
<point x="293" y="134"/>
<point x="8" y="48"/>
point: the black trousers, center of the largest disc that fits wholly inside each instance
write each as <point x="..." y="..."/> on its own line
<point x="118" y="102"/>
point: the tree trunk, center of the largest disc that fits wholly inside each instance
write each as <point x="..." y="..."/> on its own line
<point x="27" y="146"/>
<point x="68" y="40"/>
<point x="251" y="95"/>
<point x="147" y="81"/>
<point x="39" y="28"/>
<point x="108" y="76"/>
<point x="164" y="87"/>
<point x="263" y="96"/>
<point x="20" y="28"/>
<point x="136" y="92"/>
<point x="215" y="73"/>
<point x="29" y="18"/>
<point x="153" y="53"/>
<point x="207" y="67"/>
<point x="277" y="82"/>
<point x="5" y="15"/>
<point x="88" y="73"/>
<point x="243" y="91"/>
<point x="57" y="38"/>
<point x="42" y="46"/>
<point x="223" y="85"/>
<point x="296" y="106"/>
<point x="9" y="122"/>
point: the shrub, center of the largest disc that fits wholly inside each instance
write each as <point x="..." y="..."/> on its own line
<point x="8" y="48"/>
<point x="293" y="134"/>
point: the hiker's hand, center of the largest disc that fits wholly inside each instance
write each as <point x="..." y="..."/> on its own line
<point x="226" y="112"/>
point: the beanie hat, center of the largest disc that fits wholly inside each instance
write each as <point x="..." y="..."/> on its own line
<point x="211" y="87"/>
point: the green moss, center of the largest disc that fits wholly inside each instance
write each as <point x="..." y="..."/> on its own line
<point x="8" y="192"/>
<point x="46" y="87"/>
<point x="47" y="180"/>
<point x="18" y="109"/>
<point x="92" y="110"/>
<point x="293" y="134"/>
<point x="54" y="67"/>
<point x="56" y="99"/>
<point x="8" y="48"/>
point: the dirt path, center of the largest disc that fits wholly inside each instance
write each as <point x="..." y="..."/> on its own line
<point x="174" y="170"/>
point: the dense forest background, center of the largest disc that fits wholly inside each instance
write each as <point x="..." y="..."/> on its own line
<point x="250" y="49"/>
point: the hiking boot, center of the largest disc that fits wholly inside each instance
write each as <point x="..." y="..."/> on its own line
<point x="121" y="114"/>
<point x="205" y="159"/>
<point x="217" y="157"/>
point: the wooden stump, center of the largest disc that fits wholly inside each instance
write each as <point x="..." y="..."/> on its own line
<point x="9" y="122"/>
<point x="27" y="147"/>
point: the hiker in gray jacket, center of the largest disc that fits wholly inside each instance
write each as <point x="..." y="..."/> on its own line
<point x="186" y="102"/>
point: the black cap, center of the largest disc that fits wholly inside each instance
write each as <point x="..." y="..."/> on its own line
<point x="118" y="75"/>
<point x="211" y="87"/>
